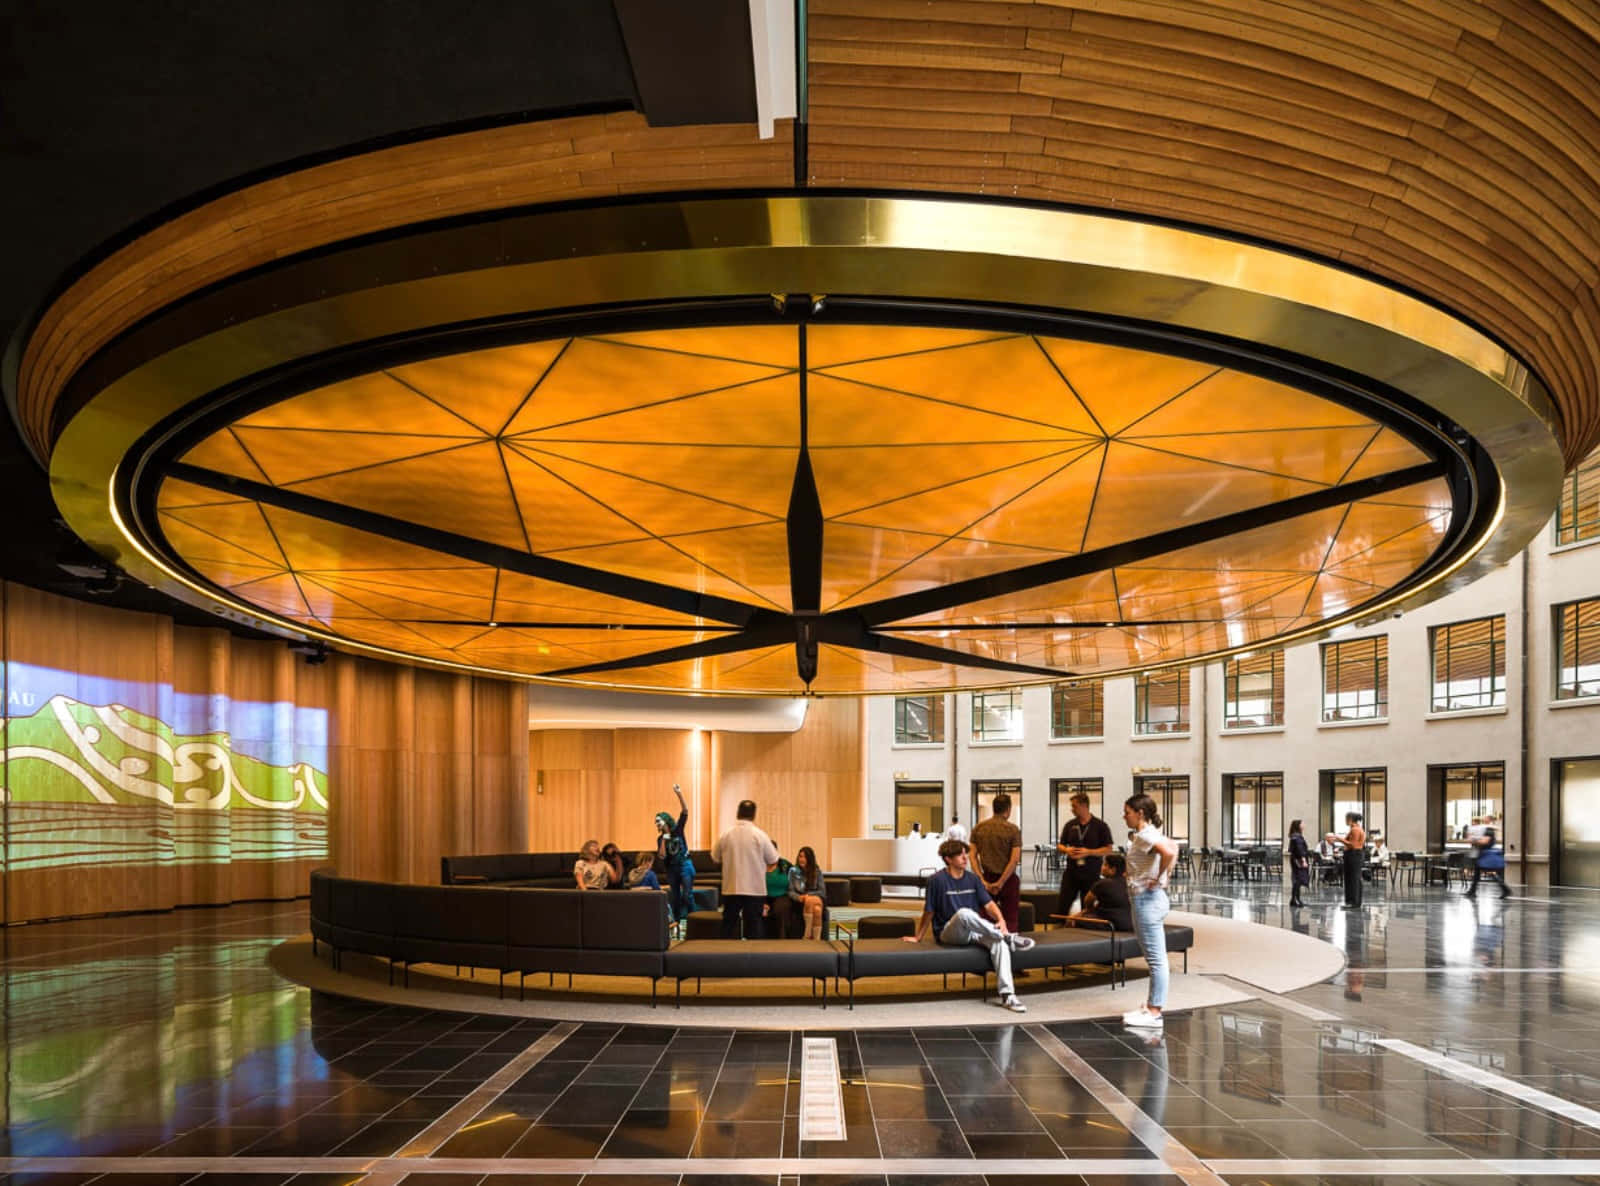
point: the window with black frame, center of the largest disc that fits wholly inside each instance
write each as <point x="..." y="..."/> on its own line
<point x="1252" y="691"/>
<point x="1578" y="515"/>
<point x="1171" y="794"/>
<point x="921" y="803"/>
<point x="985" y="789"/>
<point x="1365" y="792"/>
<point x="1355" y="679"/>
<point x="1061" y="792"/>
<point x="997" y="716"/>
<point x="1077" y="710"/>
<point x="1469" y="665"/>
<point x="918" y="720"/>
<point x="1161" y="701"/>
<point x="1252" y="810"/>
<point x="1466" y="798"/>
<point x="1577" y="649"/>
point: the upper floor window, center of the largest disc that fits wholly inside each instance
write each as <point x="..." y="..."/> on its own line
<point x="1161" y="702"/>
<point x="1077" y="710"/>
<point x="1252" y="691"/>
<point x="1469" y="664"/>
<point x="997" y="716"/>
<point x="1578" y="649"/>
<point x="1355" y="679"/>
<point x="1578" y="516"/>
<point x="918" y="720"/>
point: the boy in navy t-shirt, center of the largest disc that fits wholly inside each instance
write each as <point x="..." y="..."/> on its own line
<point x="955" y="909"/>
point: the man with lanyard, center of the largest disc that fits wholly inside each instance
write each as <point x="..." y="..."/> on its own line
<point x="1085" y="839"/>
<point x="951" y="911"/>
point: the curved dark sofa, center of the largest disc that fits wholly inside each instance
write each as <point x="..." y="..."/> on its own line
<point x="553" y="870"/>
<point x="527" y="930"/>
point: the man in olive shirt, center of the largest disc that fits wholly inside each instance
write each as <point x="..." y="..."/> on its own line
<point x="1084" y="840"/>
<point x="997" y="843"/>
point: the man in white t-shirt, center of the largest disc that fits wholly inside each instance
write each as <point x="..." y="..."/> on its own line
<point x="957" y="830"/>
<point x="745" y="853"/>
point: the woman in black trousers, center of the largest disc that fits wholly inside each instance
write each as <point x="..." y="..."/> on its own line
<point x="1355" y="855"/>
<point x="1299" y="863"/>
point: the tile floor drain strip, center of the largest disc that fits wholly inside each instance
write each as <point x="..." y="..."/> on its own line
<point x="1176" y="1156"/>
<point x="821" y="1101"/>
<point x="1489" y="1081"/>
<point x="442" y="1129"/>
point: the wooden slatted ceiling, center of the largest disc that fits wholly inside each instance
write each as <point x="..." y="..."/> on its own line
<point x="1450" y="147"/>
<point x="590" y="156"/>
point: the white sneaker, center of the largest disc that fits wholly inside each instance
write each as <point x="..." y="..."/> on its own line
<point x="1014" y="1005"/>
<point x="1020" y="942"/>
<point x="1142" y="1017"/>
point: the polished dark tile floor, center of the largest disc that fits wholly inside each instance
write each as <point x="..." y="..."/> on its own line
<point x="162" y="1051"/>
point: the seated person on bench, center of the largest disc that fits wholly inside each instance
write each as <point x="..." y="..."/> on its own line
<point x="955" y="897"/>
<point x="1107" y="899"/>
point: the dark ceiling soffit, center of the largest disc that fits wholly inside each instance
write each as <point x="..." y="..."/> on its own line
<point x="578" y="576"/>
<point x="29" y="316"/>
<point x="692" y="60"/>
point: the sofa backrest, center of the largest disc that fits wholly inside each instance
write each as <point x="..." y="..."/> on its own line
<point x="545" y="917"/>
<point x="701" y="859"/>
<point x="456" y="913"/>
<point x="629" y="920"/>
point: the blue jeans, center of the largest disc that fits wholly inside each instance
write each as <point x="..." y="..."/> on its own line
<point x="680" y="890"/>
<point x="1149" y="911"/>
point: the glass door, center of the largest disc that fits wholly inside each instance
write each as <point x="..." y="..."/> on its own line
<point x="1577" y="784"/>
<point x="919" y="802"/>
<point x="983" y="793"/>
<point x="1171" y="794"/>
<point x="1061" y="792"/>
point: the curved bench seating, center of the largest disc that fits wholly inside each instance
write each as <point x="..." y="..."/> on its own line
<point x="553" y="870"/>
<point x="523" y="931"/>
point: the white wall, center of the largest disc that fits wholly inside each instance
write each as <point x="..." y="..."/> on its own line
<point x="1407" y="743"/>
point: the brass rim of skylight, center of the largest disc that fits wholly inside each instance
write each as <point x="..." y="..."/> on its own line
<point x="663" y="252"/>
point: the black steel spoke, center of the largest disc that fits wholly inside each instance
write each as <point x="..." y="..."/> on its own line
<point x="726" y="644"/>
<point x="908" y="648"/>
<point x="1050" y="572"/>
<point x="477" y="551"/>
<point x="482" y="623"/>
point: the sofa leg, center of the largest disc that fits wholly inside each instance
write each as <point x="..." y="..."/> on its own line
<point x="522" y="986"/>
<point x="313" y="945"/>
<point x="653" y="980"/>
<point x="679" y="997"/>
<point x="502" y="985"/>
<point x="1186" y="961"/>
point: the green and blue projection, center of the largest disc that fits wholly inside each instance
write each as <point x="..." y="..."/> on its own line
<point x="101" y="771"/>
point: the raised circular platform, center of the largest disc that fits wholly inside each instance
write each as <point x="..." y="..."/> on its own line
<point x="1268" y="958"/>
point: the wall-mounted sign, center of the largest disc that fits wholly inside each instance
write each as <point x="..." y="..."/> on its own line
<point x="1152" y="770"/>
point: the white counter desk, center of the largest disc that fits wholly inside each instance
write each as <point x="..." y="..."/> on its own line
<point x="885" y="854"/>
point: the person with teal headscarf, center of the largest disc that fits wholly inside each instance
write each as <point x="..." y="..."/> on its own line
<point x="672" y="857"/>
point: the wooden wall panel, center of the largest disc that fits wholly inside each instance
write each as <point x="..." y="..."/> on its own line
<point x="418" y="763"/>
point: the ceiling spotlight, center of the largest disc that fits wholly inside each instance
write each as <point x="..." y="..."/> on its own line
<point x="818" y="300"/>
<point x="314" y="652"/>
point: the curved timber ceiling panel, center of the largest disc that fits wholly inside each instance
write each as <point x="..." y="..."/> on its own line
<point x="1449" y="148"/>
<point x="1453" y="148"/>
